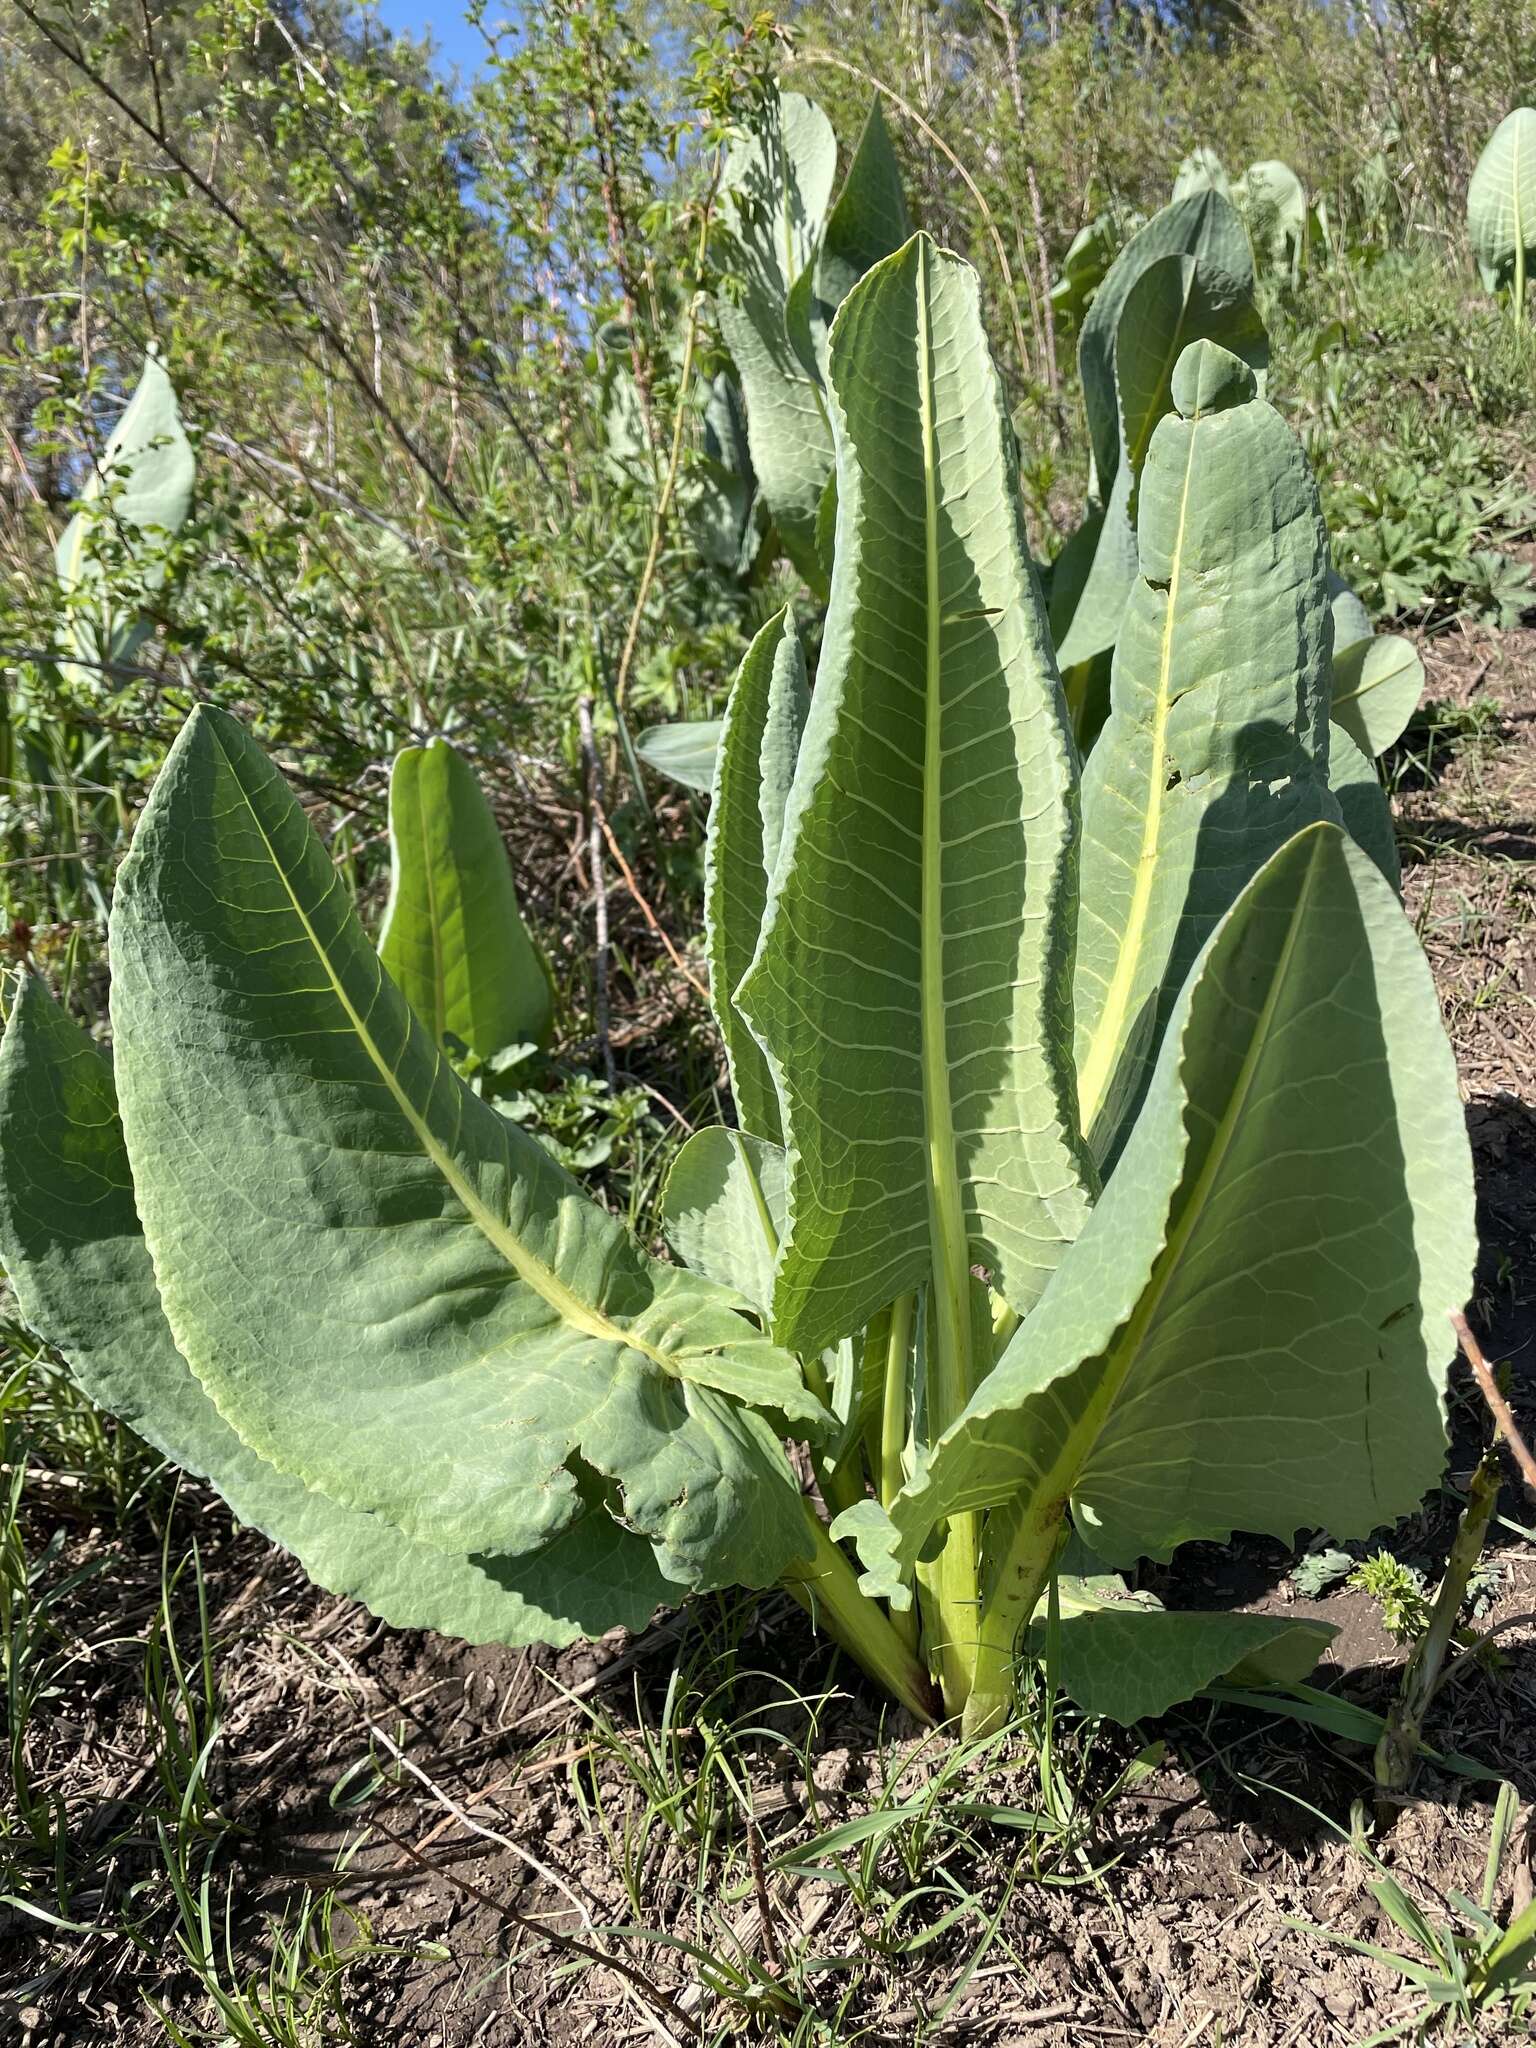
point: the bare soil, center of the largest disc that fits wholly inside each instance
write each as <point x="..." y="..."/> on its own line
<point x="484" y="1856"/>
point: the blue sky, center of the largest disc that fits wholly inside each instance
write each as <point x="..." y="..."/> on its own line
<point x="457" y="43"/>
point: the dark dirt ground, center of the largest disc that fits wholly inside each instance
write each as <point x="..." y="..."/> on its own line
<point x="1168" y="1924"/>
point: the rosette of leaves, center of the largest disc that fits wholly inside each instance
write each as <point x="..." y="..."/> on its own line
<point x="1099" y="1163"/>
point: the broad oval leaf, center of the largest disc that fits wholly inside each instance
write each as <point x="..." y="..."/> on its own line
<point x="74" y="1251"/>
<point x="1501" y="199"/>
<point x="1273" y="203"/>
<point x="453" y="938"/>
<point x="754" y="767"/>
<point x="1377" y="684"/>
<point x="910" y="983"/>
<point x="1130" y="1662"/>
<point x="388" y="1289"/>
<point x="1253" y="1330"/>
<point x="1215" y="750"/>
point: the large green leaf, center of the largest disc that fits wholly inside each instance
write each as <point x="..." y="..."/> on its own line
<point x="135" y="500"/>
<point x="1201" y="171"/>
<point x="775" y="186"/>
<point x="1168" y="293"/>
<point x="1205" y="226"/>
<point x="1253" y="1330"/>
<point x="453" y="938"/>
<point x="868" y="222"/>
<point x="74" y="1249"/>
<point x="1501" y="199"/>
<point x="910" y="983"/>
<point x="754" y="768"/>
<point x="1083" y="269"/>
<point x="1273" y="203"/>
<point x="1128" y="1658"/>
<point x="1377" y="684"/>
<point x="724" y="1210"/>
<point x="1362" y="802"/>
<point x="388" y="1289"/>
<point x="1215" y="750"/>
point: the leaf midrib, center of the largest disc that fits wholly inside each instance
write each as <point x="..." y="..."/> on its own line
<point x="946" y="1216"/>
<point x="1066" y="1469"/>
<point x="531" y="1270"/>
<point x="1093" y="1076"/>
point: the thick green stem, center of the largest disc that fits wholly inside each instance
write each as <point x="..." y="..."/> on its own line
<point x="1399" y="1744"/>
<point x="1520" y="282"/>
<point x="891" y="1474"/>
<point x="1016" y="1582"/>
<point x="951" y="1584"/>
<point x="828" y="1587"/>
<point x="841" y="1484"/>
<point x="893" y="1407"/>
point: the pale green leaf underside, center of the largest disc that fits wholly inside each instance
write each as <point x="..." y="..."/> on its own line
<point x="724" y="1210"/>
<point x="1351" y="620"/>
<point x="913" y="960"/>
<point x="754" y="767"/>
<point x="1201" y="171"/>
<point x="869" y="221"/>
<point x="1215" y="750"/>
<point x="74" y="1250"/>
<point x="1253" y="1330"/>
<point x="1273" y="203"/>
<point x="776" y="184"/>
<point x="1501" y="198"/>
<point x="684" y="751"/>
<point x="453" y="939"/>
<point x="147" y="471"/>
<point x="388" y="1289"/>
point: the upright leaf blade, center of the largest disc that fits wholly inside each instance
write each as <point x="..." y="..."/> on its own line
<point x="868" y="222"/>
<point x="146" y="475"/>
<point x="914" y="953"/>
<point x="754" y="767"/>
<point x="453" y="938"/>
<point x="1362" y="802"/>
<point x="776" y="184"/>
<point x="1175" y="299"/>
<point x="1501" y="199"/>
<point x="74" y="1250"/>
<point x="389" y="1290"/>
<point x="1240" y="1339"/>
<point x="1201" y="171"/>
<point x="1215" y="751"/>
<point x="1205" y="226"/>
